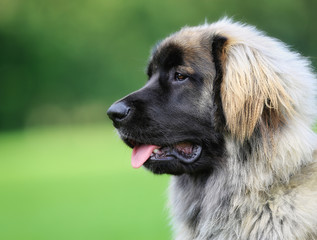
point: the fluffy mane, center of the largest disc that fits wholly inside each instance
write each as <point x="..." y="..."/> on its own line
<point x="268" y="94"/>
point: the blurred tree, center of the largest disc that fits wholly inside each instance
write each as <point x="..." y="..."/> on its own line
<point x="69" y="53"/>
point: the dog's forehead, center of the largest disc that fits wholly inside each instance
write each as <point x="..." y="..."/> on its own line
<point x="181" y="48"/>
<point x="168" y="55"/>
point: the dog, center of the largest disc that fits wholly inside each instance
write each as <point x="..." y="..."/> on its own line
<point x="228" y="111"/>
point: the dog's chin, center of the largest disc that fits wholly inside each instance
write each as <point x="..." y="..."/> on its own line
<point x="166" y="158"/>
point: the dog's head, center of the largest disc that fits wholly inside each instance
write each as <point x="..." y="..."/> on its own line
<point x="203" y="85"/>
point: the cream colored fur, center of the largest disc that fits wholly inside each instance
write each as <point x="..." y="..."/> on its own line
<point x="273" y="193"/>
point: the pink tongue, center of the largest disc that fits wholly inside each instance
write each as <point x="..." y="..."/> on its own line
<point x="140" y="154"/>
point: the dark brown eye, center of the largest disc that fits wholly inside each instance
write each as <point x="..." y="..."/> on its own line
<point x="180" y="77"/>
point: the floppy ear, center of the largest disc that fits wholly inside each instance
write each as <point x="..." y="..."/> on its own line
<point x="252" y="93"/>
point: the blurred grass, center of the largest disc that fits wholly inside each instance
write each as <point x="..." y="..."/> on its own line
<point x="76" y="183"/>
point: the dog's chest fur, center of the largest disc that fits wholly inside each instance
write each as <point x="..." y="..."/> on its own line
<point x="210" y="207"/>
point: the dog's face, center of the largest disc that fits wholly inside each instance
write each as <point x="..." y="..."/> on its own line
<point x="174" y="121"/>
<point x="202" y="86"/>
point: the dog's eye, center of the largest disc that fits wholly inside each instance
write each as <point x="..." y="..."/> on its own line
<point x="180" y="77"/>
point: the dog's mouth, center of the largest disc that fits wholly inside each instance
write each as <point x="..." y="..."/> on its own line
<point x="185" y="152"/>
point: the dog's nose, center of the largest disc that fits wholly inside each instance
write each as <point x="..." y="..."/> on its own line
<point x="118" y="112"/>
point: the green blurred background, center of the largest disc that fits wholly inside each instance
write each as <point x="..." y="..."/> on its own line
<point x="64" y="174"/>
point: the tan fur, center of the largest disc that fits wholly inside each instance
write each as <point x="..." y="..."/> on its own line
<point x="268" y="193"/>
<point x="249" y="85"/>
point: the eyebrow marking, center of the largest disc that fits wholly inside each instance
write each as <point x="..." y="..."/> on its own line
<point x="168" y="57"/>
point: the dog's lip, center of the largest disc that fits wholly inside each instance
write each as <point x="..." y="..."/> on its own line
<point x="184" y="151"/>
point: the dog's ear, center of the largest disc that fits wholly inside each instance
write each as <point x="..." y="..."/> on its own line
<point x="251" y="91"/>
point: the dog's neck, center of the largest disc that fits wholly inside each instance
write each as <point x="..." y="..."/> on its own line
<point x="246" y="181"/>
<point x="259" y="164"/>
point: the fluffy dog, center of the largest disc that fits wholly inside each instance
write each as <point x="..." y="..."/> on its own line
<point x="229" y="112"/>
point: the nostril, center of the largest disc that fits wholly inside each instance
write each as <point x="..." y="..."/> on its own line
<point x="118" y="111"/>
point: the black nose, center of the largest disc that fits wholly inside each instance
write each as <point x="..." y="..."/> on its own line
<point x="118" y="112"/>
